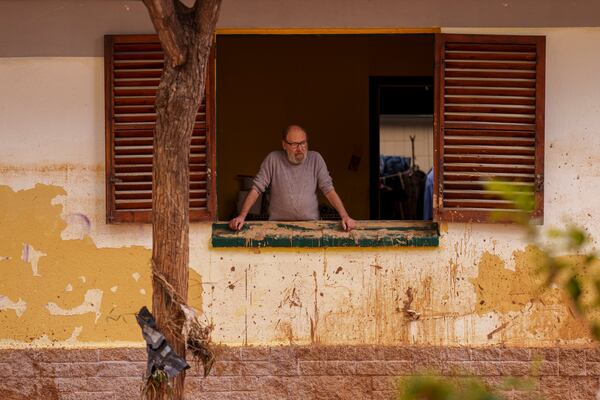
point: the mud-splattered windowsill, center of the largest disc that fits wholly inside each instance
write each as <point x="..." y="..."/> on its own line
<point x="327" y="234"/>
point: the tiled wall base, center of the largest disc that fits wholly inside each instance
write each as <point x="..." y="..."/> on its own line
<point x="298" y="372"/>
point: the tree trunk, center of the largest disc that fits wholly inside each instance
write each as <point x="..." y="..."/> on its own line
<point x="186" y="36"/>
<point x="176" y="105"/>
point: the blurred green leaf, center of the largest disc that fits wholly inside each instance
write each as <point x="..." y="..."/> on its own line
<point x="521" y="195"/>
<point x="573" y="287"/>
<point x="554" y="233"/>
<point x="436" y="388"/>
<point x="577" y="237"/>
<point x="518" y="383"/>
<point x="589" y="259"/>
<point x="596" y="330"/>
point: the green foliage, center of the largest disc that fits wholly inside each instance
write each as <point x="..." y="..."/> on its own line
<point x="437" y="388"/>
<point x="521" y="195"/>
<point x="519" y="383"/>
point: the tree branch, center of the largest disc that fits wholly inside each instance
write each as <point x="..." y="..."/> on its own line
<point x="170" y="31"/>
<point x="206" y="16"/>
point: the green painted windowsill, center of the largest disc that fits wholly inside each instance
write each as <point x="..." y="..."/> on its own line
<point x="327" y="234"/>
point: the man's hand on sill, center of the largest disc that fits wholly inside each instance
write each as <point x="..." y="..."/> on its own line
<point x="348" y="223"/>
<point x="237" y="223"/>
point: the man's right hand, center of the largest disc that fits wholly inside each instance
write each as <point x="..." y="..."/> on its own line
<point x="237" y="223"/>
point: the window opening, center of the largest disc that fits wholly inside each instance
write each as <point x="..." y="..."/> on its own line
<point x="321" y="82"/>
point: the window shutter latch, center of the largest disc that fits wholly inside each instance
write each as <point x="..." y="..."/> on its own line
<point x="539" y="183"/>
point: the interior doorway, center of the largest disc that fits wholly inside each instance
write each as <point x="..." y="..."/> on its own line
<point x="400" y="146"/>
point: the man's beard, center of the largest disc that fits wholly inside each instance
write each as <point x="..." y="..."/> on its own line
<point x="292" y="158"/>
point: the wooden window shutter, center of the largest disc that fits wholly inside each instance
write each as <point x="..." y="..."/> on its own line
<point x="133" y="67"/>
<point x="489" y="123"/>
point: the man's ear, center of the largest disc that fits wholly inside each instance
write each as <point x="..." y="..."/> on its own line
<point x="283" y="144"/>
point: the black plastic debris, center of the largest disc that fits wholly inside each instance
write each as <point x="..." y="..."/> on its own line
<point x="161" y="355"/>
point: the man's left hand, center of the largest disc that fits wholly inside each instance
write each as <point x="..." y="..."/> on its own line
<point x="348" y="223"/>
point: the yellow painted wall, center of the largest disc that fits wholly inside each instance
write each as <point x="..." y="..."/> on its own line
<point x="477" y="288"/>
<point x="69" y="291"/>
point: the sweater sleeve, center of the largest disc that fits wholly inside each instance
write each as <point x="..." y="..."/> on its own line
<point x="324" y="180"/>
<point x="262" y="180"/>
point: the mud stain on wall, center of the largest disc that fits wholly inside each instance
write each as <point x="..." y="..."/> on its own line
<point x="448" y="306"/>
<point x="527" y="309"/>
<point x="77" y="292"/>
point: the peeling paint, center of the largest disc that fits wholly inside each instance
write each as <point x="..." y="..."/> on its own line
<point x="524" y="307"/>
<point x="92" y="303"/>
<point x="32" y="256"/>
<point x="29" y="217"/>
<point x="500" y="289"/>
<point x="78" y="226"/>
<point x="72" y="301"/>
<point x="18" y="306"/>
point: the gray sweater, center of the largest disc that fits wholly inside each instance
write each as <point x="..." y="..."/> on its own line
<point x="293" y="187"/>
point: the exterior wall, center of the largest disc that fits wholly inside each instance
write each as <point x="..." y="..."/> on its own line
<point x="71" y="280"/>
<point x="75" y="27"/>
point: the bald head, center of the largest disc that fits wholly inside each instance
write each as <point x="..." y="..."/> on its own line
<point x="293" y="129"/>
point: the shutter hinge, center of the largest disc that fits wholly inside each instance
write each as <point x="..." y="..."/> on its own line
<point x="539" y="183"/>
<point x="114" y="179"/>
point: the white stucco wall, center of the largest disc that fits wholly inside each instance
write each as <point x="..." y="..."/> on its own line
<point x="52" y="132"/>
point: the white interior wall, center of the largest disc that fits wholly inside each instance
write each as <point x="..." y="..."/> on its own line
<point x="394" y="138"/>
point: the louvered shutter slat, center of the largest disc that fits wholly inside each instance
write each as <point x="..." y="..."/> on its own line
<point x="137" y="74"/>
<point x="494" y="151"/>
<point x="126" y="101"/>
<point x="489" y="54"/>
<point x="482" y="91"/>
<point x="491" y="74"/>
<point x="129" y="56"/>
<point x="496" y="66"/>
<point x="134" y="72"/>
<point x="123" y="47"/>
<point x="524" y="101"/>
<point x="489" y="115"/>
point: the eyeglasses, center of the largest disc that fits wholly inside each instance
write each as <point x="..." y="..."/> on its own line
<point x="295" y="145"/>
